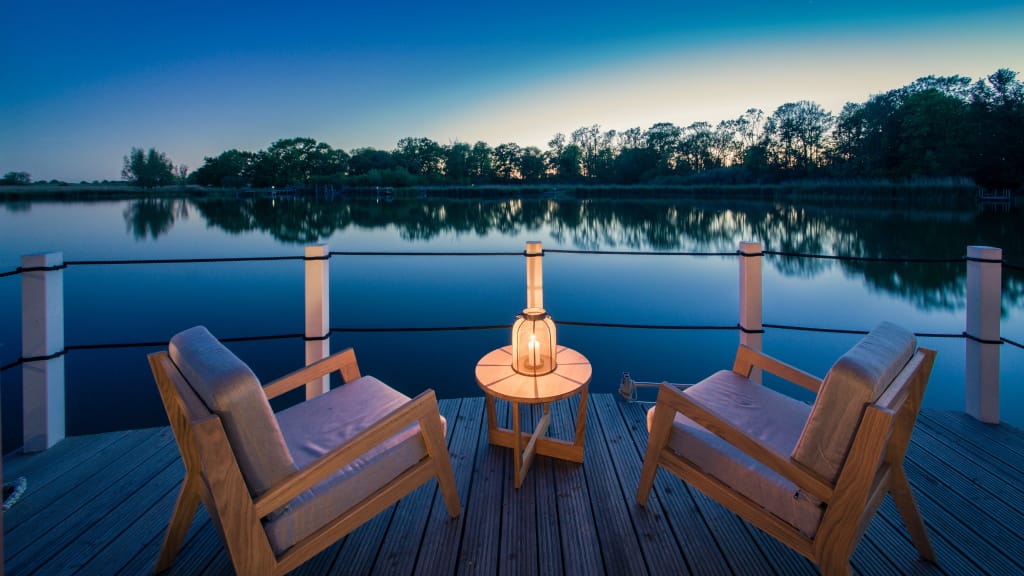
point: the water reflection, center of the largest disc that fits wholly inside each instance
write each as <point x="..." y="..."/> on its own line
<point x="153" y="217"/>
<point x="861" y="230"/>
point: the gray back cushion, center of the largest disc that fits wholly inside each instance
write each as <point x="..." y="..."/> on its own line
<point x="858" y="378"/>
<point x="231" y="391"/>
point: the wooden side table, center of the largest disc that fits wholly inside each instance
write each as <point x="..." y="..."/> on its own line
<point x="496" y="377"/>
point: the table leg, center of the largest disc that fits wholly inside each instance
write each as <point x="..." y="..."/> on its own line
<point x="537" y="442"/>
<point x="581" y="421"/>
<point x="492" y="419"/>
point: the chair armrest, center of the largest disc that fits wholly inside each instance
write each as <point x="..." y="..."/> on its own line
<point x="671" y="398"/>
<point x="345" y="361"/>
<point x="747" y="358"/>
<point x="419" y="408"/>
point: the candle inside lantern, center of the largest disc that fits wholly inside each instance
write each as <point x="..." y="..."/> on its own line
<point x="533" y="346"/>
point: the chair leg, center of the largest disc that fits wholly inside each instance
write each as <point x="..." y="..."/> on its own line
<point x="904" y="498"/>
<point x="181" y="519"/>
<point x="836" y="566"/>
<point x="433" y="438"/>
<point x="661" y="428"/>
<point x="446" y="482"/>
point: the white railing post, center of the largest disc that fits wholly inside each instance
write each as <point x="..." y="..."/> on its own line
<point x="534" y="275"/>
<point x="318" y="313"/>
<point x="750" y="299"/>
<point x="42" y="336"/>
<point x="984" y="298"/>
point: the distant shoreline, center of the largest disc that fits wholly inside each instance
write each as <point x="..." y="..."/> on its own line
<point x="950" y="189"/>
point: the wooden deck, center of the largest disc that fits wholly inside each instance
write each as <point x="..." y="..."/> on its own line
<point x="99" y="504"/>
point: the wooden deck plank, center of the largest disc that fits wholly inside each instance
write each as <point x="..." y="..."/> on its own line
<point x="198" y="552"/>
<point x="161" y="490"/>
<point x="398" y="546"/>
<point x="543" y="483"/>
<point x="478" y="553"/>
<point x="950" y="559"/>
<point x="961" y="532"/>
<point x="620" y="548"/>
<point x="981" y="442"/>
<point x="54" y="490"/>
<point x="219" y="565"/>
<point x="518" y="539"/>
<point x="886" y="549"/>
<point x="562" y="520"/>
<point x="740" y="550"/>
<point x="322" y="562"/>
<point x="48" y="505"/>
<point x="654" y="536"/>
<point x="581" y="548"/>
<point x="971" y="461"/>
<point x="138" y="533"/>
<point x="549" y="551"/>
<point x="56" y="461"/>
<point x="144" y="560"/>
<point x="782" y="559"/>
<point x="696" y="540"/>
<point x="61" y="523"/>
<point x="1005" y="436"/>
<point x="356" y="552"/>
<point x="973" y="524"/>
<point x="729" y="531"/>
<point x="982" y="500"/>
<point x="438" y="551"/>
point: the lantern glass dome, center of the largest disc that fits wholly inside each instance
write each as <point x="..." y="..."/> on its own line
<point x="534" y="346"/>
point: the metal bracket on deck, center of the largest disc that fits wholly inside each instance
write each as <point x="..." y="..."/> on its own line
<point x="628" y="386"/>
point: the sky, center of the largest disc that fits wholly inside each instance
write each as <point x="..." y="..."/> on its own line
<point x="82" y="83"/>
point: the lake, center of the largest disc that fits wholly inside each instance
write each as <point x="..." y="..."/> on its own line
<point x="112" y="389"/>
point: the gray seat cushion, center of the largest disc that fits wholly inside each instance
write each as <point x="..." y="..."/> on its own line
<point x="858" y="378"/>
<point x="314" y="428"/>
<point x="231" y="391"/>
<point x="772" y="418"/>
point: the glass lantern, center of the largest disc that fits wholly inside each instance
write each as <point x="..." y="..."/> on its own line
<point x="533" y="343"/>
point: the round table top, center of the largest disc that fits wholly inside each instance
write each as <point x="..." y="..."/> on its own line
<point x="496" y="377"/>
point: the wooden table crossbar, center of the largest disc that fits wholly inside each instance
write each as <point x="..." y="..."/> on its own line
<point x="496" y="377"/>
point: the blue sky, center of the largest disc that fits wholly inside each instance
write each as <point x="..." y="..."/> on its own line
<point x="82" y="83"/>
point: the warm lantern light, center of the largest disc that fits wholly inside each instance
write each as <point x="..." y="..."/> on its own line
<point x="534" y="345"/>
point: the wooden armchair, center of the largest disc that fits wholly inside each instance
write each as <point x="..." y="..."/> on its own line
<point x="810" y="476"/>
<point x="282" y="487"/>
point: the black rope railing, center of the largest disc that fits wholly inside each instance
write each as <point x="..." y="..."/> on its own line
<point x="123" y="345"/>
<point x="1012" y="343"/>
<point x="353" y="329"/>
<point x="645" y="326"/>
<point x="415" y="253"/>
<point x="482" y="327"/>
<point x="20" y="270"/>
<point x="866" y="258"/>
<point x="68" y="263"/>
<point x="813" y="329"/>
<point x="635" y="252"/>
<point x="181" y="260"/>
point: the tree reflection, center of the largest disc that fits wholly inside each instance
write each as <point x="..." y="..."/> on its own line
<point x="872" y="231"/>
<point x="153" y="217"/>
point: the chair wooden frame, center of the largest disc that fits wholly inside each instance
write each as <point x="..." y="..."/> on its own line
<point x="873" y="467"/>
<point x="212" y="475"/>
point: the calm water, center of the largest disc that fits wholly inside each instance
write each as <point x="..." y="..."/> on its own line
<point x="113" y="389"/>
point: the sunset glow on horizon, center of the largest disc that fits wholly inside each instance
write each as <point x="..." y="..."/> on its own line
<point x="83" y="85"/>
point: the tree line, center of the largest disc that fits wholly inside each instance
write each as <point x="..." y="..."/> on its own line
<point x="934" y="127"/>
